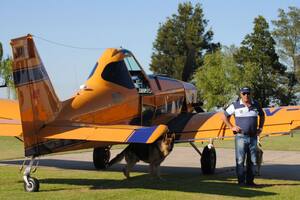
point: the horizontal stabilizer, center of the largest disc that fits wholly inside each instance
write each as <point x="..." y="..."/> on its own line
<point x="10" y="127"/>
<point x="10" y="119"/>
<point x="112" y="133"/>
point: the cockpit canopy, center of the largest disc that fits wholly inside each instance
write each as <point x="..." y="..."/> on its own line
<point x="126" y="73"/>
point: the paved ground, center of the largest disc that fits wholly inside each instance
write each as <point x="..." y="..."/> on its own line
<point x="282" y="165"/>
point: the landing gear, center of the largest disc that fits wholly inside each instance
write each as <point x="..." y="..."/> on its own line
<point x="31" y="184"/>
<point x="101" y="156"/>
<point x="208" y="158"/>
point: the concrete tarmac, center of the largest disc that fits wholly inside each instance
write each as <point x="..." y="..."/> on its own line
<point x="282" y="165"/>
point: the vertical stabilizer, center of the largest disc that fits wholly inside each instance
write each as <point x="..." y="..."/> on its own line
<point x="37" y="99"/>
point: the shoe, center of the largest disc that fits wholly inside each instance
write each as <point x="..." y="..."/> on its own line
<point x="252" y="184"/>
<point x="242" y="184"/>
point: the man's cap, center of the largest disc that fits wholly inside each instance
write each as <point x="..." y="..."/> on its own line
<point x="245" y="89"/>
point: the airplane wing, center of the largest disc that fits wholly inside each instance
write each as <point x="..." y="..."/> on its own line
<point x="110" y="133"/>
<point x="206" y="126"/>
<point x="10" y="120"/>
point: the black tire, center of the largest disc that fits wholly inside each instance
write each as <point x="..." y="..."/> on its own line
<point x="208" y="160"/>
<point x="101" y="156"/>
<point x="33" y="186"/>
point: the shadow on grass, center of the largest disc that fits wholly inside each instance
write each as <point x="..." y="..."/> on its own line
<point x="183" y="183"/>
<point x="185" y="179"/>
<point x="269" y="171"/>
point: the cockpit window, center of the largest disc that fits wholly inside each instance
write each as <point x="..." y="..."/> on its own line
<point x="131" y="64"/>
<point x="117" y="73"/>
<point x="137" y="75"/>
<point x="93" y="70"/>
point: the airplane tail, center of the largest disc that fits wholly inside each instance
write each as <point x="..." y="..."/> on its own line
<point x="37" y="99"/>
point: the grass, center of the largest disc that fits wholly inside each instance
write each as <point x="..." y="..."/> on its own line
<point x="66" y="184"/>
<point x="81" y="184"/>
<point x="11" y="148"/>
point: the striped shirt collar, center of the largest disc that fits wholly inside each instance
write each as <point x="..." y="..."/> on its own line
<point x="242" y="103"/>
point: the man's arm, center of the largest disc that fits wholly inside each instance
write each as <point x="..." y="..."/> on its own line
<point x="228" y="123"/>
<point x="226" y="116"/>
<point x="261" y="120"/>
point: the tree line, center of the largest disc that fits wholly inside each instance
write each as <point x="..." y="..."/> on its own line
<point x="267" y="60"/>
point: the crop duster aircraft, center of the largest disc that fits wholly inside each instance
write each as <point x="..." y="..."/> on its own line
<point x="118" y="104"/>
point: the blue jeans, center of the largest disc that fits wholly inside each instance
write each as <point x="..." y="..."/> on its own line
<point x="245" y="146"/>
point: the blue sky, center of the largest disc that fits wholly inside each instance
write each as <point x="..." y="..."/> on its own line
<point x="131" y="24"/>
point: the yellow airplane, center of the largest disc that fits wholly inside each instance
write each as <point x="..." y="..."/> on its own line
<point x="118" y="104"/>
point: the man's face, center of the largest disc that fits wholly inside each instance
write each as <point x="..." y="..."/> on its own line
<point x="245" y="96"/>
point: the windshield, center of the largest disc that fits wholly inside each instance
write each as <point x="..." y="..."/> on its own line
<point x="131" y="64"/>
<point x="93" y="70"/>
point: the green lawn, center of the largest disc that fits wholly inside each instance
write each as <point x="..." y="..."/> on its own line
<point x="80" y="184"/>
<point x="83" y="184"/>
<point x="11" y="147"/>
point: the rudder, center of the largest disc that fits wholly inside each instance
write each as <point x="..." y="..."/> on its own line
<point x="38" y="102"/>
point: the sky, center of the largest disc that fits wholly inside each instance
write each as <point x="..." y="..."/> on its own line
<point x="130" y="24"/>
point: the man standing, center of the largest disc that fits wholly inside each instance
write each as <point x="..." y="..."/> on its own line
<point x="246" y="112"/>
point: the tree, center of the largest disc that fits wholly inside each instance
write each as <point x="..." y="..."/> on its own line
<point x="218" y="80"/>
<point x="287" y="34"/>
<point x="1" y="51"/>
<point x="6" y="74"/>
<point x="258" y="49"/>
<point x="1" y="55"/>
<point x="181" y="42"/>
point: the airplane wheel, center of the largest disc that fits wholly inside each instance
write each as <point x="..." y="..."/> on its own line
<point x="101" y="156"/>
<point x="33" y="186"/>
<point x="208" y="160"/>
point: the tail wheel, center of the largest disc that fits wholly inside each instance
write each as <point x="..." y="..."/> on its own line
<point x="101" y="156"/>
<point x="33" y="185"/>
<point x="208" y="160"/>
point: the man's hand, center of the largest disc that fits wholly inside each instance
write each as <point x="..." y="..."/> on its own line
<point x="236" y="129"/>
<point x="259" y="131"/>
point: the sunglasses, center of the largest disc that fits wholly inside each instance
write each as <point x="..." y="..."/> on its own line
<point x="246" y="93"/>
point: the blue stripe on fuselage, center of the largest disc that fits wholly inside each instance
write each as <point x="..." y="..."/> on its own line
<point x="141" y="135"/>
<point x="271" y="113"/>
